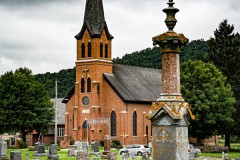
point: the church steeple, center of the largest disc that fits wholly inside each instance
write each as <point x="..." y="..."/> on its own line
<point x="94" y="20"/>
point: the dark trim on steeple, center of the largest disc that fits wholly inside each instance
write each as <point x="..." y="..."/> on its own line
<point x="94" y="20"/>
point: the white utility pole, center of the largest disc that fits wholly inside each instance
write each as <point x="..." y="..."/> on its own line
<point x="55" y="137"/>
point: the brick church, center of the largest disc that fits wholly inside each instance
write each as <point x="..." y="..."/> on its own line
<point x="107" y="98"/>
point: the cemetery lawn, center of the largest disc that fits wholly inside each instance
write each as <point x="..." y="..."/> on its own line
<point x="63" y="154"/>
<point x="234" y="153"/>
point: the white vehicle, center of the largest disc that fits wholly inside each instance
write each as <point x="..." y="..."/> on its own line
<point x="135" y="149"/>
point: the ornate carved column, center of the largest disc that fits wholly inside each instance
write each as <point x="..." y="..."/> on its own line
<point x="169" y="115"/>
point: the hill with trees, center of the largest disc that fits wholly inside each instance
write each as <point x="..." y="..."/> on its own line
<point x="65" y="78"/>
<point x="149" y="57"/>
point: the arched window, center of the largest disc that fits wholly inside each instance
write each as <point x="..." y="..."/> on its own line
<point x="113" y="124"/>
<point x="85" y="128"/>
<point x="83" y="50"/>
<point x="134" y="123"/>
<point x="106" y="50"/>
<point x="88" y="84"/>
<point x="101" y="50"/>
<point x="89" y="49"/>
<point x="82" y="85"/>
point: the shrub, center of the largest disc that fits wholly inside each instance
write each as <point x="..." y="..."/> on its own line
<point x="31" y="148"/>
<point x="116" y="144"/>
<point x="11" y="147"/>
<point x="102" y="143"/>
<point x="213" y="149"/>
<point x="22" y="144"/>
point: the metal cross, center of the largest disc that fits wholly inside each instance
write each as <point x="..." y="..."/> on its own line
<point x="85" y="70"/>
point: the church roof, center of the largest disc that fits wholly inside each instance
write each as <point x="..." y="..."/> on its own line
<point x="61" y="110"/>
<point x="132" y="84"/>
<point x="94" y="20"/>
<point x="135" y="84"/>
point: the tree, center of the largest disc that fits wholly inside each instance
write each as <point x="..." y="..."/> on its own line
<point x="224" y="52"/>
<point x="24" y="103"/>
<point x="210" y="97"/>
<point x="66" y="77"/>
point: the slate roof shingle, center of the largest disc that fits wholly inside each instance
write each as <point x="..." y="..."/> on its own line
<point x="94" y="20"/>
<point x="135" y="84"/>
<point x="61" y="110"/>
<point x="132" y="84"/>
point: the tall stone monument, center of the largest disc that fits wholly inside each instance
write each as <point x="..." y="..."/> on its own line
<point x="3" y="150"/>
<point x="170" y="114"/>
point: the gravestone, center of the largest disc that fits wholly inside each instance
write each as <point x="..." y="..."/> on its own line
<point x="95" y="146"/>
<point x="40" y="150"/>
<point x="112" y="156"/>
<point x="82" y="155"/>
<point x="15" y="155"/>
<point x="107" y="146"/>
<point x="71" y="152"/>
<point x="85" y="147"/>
<point x="52" y="152"/>
<point x="145" y="156"/>
<point x="125" y="155"/>
<point x="3" y="150"/>
<point x="191" y="156"/>
<point x="79" y="145"/>
<point x="131" y="155"/>
<point x="170" y="113"/>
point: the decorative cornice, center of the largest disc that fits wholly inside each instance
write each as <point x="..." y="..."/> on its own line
<point x="94" y="60"/>
<point x="170" y="42"/>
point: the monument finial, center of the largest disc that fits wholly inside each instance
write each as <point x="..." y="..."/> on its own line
<point x="170" y="11"/>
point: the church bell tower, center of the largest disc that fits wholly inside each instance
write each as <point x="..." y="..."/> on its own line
<point x="94" y="45"/>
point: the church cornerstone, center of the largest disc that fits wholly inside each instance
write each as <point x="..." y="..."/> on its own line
<point x="170" y="114"/>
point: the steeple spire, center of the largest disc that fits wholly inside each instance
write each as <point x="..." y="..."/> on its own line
<point x="94" y="20"/>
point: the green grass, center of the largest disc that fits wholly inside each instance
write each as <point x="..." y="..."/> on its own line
<point x="234" y="153"/>
<point x="63" y="154"/>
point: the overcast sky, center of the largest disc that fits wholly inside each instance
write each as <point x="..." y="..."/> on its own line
<point x="39" y="34"/>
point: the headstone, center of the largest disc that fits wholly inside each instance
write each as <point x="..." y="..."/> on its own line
<point x="112" y="156"/>
<point x="41" y="150"/>
<point x="52" y="152"/>
<point x="79" y="145"/>
<point x="85" y="147"/>
<point x="191" y="156"/>
<point x="15" y="155"/>
<point x="95" y="146"/>
<point x="71" y="152"/>
<point x="81" y="155"/>
<point x="145" y="156"/>
<point x="3" y="150"/>
<point x="36" y="146"/>
<point x="125" y="156"/>
<point x="107" y="146"/>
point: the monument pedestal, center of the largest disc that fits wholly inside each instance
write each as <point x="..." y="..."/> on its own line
<point x="169" y="117"/>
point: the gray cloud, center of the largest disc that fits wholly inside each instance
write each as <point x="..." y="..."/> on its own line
<point x="39" y="34"/>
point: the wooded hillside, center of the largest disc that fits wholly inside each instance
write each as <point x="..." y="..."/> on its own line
<point x="149" y="57"/>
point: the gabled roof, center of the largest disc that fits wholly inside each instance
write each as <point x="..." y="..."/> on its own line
<point x="132" y="84"/>
<point x="135" y="84"/>
<point x="94" y="20"/>
<point x="61" y="110"/>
